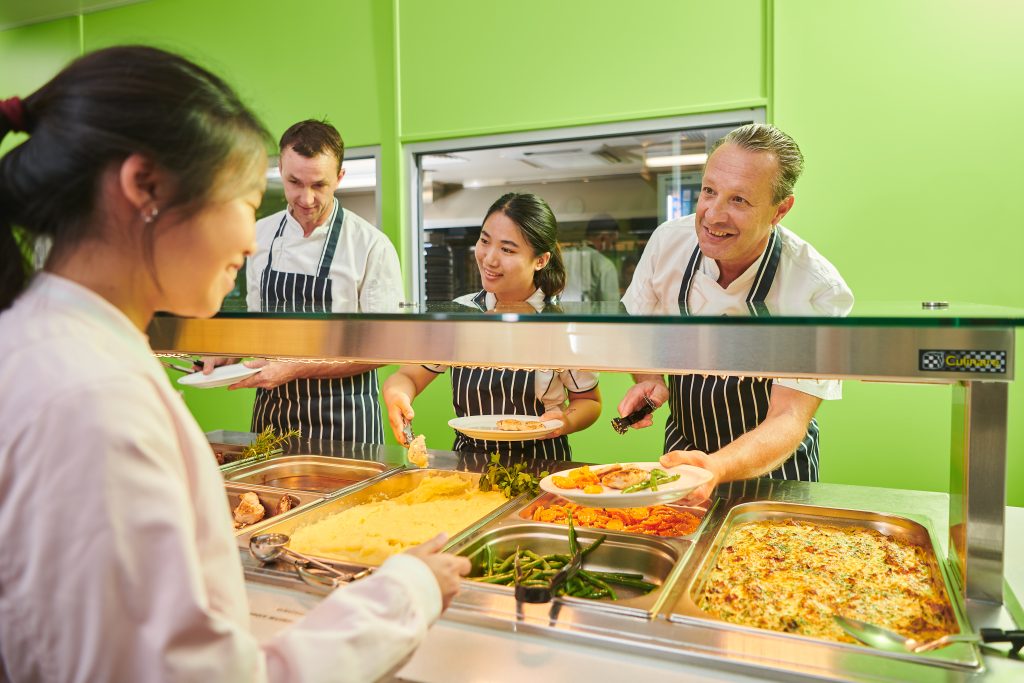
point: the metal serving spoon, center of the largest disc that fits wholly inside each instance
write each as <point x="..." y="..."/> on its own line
<point x="270" y="547"/>
<point x="884" y="639"/>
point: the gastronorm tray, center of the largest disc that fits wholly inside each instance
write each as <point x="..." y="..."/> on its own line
<point x="705" y="556"/>
<point x="313" y="473"/>
<point x="269" y="498"/>
<point x="656" y="558"/>
<point x="700" y="511"/>
<point x="390" y="485"/>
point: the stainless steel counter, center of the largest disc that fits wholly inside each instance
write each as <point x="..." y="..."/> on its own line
<point x="481" y="638"/>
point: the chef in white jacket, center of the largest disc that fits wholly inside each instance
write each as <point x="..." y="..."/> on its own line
<point x="317" y="256"/>
<point x="120" y="563"/>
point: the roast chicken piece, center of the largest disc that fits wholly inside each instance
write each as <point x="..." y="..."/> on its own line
<point x="249" y="510"/>
<point x="418" y="451"/>
<point x="624" y="478"/>
<point x="285" y="504"/>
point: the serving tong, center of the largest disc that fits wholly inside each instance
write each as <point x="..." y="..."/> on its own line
<point x="407" y="432"/>
<point x="542" y="594"/>
<point x="271" y="547"/>
<point x="881" y="638"/>
<point x="197" y="366"/>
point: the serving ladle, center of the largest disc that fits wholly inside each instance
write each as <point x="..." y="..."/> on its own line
<point x="884" y="639"/>
<point x="270" y="547"/>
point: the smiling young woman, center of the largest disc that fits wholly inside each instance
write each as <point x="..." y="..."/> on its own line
<point x="520" y="267"/>
<point x="144" y="171"/>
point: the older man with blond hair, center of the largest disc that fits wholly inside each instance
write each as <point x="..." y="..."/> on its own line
<point x="733" y="256"/>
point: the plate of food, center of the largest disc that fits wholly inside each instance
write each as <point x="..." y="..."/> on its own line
<point x="220" y="377"/>
<point x="625" y="484"/>
<point x="504" y="427"/>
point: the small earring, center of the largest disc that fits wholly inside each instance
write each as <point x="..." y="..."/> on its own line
<point x="151" y="216"/>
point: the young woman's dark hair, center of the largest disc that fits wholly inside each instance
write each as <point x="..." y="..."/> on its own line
<point x="538" y="225"/>
<point x="98" y="111"/>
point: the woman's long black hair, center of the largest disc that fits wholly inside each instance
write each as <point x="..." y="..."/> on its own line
<point x="538" y="225"/>
<point x="99" y="110"/>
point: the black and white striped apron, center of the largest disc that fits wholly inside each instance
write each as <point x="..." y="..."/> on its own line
<point x="707" y="412"/>
<point x="494" y="391"/>
<point x="335" y="409"/>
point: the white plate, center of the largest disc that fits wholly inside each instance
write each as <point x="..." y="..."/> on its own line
<point x="220" y="377"/>
<point x="690" y="478"/>
<point x="486" y="427"/>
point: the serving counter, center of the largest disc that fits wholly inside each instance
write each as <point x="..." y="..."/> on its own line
<point x="969" y="347"/>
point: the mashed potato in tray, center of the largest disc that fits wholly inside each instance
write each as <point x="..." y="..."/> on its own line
<point x="372" y="532"/>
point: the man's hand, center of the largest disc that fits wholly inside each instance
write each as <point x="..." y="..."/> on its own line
<point x="698" y="459"/>
<point x="447" y="568"/>
<point x="654" y="389"/>
<point x="211" y="362"/>
<point x="399" y="408"/>
<point x="273" y="374"/>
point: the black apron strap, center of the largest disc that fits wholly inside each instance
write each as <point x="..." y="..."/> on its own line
<point x="684" y="287"/>
<point x="765" y="275"/>
<point x="324" y="271"/>
<point x="265" y="276"/>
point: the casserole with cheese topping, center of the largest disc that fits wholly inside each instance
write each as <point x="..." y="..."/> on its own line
<point x="792" y="575"/>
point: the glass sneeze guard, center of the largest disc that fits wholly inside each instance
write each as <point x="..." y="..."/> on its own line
<point x="970" y="346"/>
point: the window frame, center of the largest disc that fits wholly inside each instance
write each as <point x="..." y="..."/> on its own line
<point x="412" y="153"/>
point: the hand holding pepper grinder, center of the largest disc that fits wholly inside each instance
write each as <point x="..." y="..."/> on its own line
<point x="621" y="424"/>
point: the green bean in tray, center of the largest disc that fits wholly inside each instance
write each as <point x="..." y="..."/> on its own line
<point x="537" y="570"/>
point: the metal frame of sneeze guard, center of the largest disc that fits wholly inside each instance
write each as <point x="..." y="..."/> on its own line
<point x="775" y="348"/>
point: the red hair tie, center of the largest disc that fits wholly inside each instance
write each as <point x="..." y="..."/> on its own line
<point x="13" y="110"/>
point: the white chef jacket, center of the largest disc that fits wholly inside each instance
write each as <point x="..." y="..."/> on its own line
<point x="364" y="271"/>
<point x="549" y="385"/>
<point x="120" y="562"/>
<point x="805" y="284"/>
<point x="589" y="275"/>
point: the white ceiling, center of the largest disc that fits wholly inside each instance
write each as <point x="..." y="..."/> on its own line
<point x="14" y="13"/>
<point x="564" y="160"/>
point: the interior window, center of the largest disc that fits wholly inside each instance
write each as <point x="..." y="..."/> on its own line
<point x="608" y="191"/>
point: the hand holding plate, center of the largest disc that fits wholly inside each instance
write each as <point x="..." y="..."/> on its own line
<point x="272" y="374"/>
<point x="697" y="459"/>
<point x="555" y="414"/>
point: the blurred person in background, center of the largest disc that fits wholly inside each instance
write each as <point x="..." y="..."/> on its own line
<point x="589" y="274"/>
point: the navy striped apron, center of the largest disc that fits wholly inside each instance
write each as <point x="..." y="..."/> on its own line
<point x="494" y="391"/>
<point x="334" y="409"/>
<point x="707" y="412"/>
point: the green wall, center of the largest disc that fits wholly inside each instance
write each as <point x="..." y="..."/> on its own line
<point x="30" y="56"/>
<point x="910" y="185"/>
<point x="910" y="189"/>
<point x="468" y="67"/>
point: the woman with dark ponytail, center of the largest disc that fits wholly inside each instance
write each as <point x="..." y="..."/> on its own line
<point x="143" y="172"/>
<point x="520" y="266"/>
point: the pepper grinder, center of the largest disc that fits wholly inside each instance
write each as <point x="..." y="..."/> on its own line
<point x="621" y="424"/>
